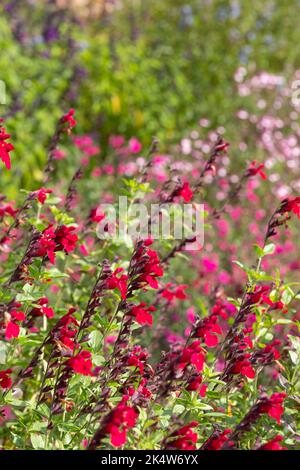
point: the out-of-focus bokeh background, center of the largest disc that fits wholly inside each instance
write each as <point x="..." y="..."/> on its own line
<point x="150" y="68"/>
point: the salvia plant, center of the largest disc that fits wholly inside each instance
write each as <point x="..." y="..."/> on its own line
<point x="144" y="343"/>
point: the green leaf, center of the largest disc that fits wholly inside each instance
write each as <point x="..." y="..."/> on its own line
<point x="3" y="350"/>
<point x="37" y="441"/>
<point x="217" y="414"/>
<point x="38" y="426"/>
<point x="178" y="409"/>
<point x="269" y="249"/>
<point x="284" y="321"/>
<point x="96" y="340"/>
<point x="295" y="342"/>
<point x="241" y="265"/>
<point x="294" y="357"/>
<point x="259" y="251"/>
<point x="287" y="296"/>
<point x="98" y="360"/>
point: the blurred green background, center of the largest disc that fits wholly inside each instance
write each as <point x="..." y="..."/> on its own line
<point x="134" y="67"/>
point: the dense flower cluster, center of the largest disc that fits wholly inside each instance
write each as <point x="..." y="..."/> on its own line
<point x="52" y="240"/>
<point x="219" y="333"/>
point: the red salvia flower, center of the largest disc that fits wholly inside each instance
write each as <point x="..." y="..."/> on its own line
<point x="259" y="294"/>
<point x="120" y="283"/>
<point x="5" y="147"/>
<point x="244" y="367"/>
<point x="274" y="444"/>
<point x="43" y="309"/>
<point x="273" y="406"/>
<point x="270" y="349"/>
<point x="65" y="238"/>
<point x="81" y="363"/>
<point x="12" y="329"/>
<point x="47" y="245"/>
<point x="66" y="337"/>
<point x="194" y="355"/>
<point x="42" y="193"/>
<point x="51" y="241"/>
<point x="66" y="329"/>
<point x="7" y="209"/>
<point x="141" y="313"/>
<point x="195" y="384"/>
<point x="143" y="390"/>
<point x="243" y="339"/>
<point x="185" y="192"/>
<point x="171" y="292"/>
<point x="5" y="380"/>
<point x="290" y="205"/>
<point x="282" y="215"/>
<point x="217" y="441"/>
<point x="207" y="329"/>
<point x="256" y="169"/>
<point x="69" y="120"/>
<point x="202" y="391"/>
<point x="184" y="438"/>
<point x="277" y="305"/>
<point x="17" y="315"/>
<point x="96" y="215"/>
<point x="223" y="308"/>
<point x="119" y="421"/>
<point x="137" y="358"/>
<point x="151" y="267"/>
<point x="222" y="146"/>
